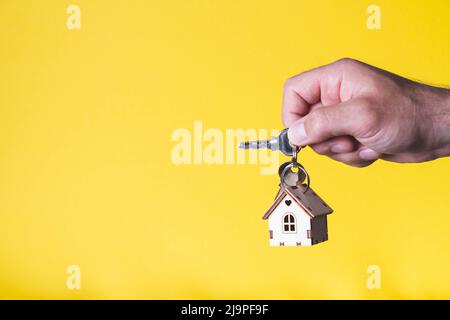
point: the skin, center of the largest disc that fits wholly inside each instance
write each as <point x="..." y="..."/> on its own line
<point x="355" y="113"/>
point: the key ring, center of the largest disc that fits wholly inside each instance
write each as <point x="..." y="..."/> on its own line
<point x="295" y="152"/>
<point x="298" y="166"/>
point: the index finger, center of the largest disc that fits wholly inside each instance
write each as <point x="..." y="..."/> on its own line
<point x="319" y="85"/>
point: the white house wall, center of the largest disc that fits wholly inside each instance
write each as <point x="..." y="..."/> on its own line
<point x="302" y="220"/>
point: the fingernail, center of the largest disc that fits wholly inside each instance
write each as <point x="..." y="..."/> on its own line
<point x="338" y="148"/>
<point x="368" y="154"/>
<point x="297" y="134"/>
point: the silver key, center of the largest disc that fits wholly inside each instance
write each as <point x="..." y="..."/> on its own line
<point x="280" y="143"/>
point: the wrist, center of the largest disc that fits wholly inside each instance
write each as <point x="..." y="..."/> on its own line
<point x="437" y="103"/>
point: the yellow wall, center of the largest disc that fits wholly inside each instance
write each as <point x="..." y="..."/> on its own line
<point x="86" y="176"/>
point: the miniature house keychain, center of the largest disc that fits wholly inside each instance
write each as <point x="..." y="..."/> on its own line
<point x="298" y="216"/>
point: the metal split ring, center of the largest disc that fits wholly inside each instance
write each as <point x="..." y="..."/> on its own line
<point x="295" y="164"/>
<point x="295" y="152"/>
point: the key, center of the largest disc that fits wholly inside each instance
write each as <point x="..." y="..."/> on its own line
<point x="280" y="143"/>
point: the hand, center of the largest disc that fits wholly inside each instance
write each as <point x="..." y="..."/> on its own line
<point x="356" y="114"/>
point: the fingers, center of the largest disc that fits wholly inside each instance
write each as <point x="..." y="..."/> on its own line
<point x="342" y="144"/>
<point x="353" y="159"/>
<point x="361" y="157"/>
<point x="347" y="150"/>
<point x="324" y="123"/>
<point x="331" y="121"/>
<point x="300" y="92"/>
<point x="320" y="85"/>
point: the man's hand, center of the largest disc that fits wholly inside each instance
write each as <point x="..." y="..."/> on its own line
<point x="356" y="114"/>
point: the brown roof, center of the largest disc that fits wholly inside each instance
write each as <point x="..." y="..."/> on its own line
<point x="309" y="201"/>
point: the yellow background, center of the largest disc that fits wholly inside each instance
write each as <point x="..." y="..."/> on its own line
<point x="86" y="176"/>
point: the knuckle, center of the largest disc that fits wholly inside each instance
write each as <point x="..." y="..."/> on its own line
<point x="318" y="120"/>
<point x="345" y="61"/>
<point x="289" y="83"/>
<point x="369" y="114"/>
<point x="320" y="149"/>
<point x="360" y="164"/>
<point x="348" y="63"/>
<point x="285" y="119"/>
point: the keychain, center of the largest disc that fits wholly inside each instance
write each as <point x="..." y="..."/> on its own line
<point x="298" y="216"/>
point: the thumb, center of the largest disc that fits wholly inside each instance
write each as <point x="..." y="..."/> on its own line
<point x="326" y="122"/>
